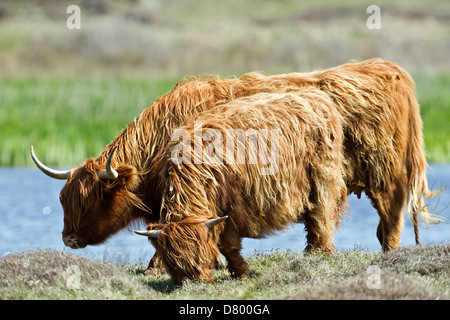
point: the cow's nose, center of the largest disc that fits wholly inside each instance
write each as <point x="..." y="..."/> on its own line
<point x="70" y="240"/>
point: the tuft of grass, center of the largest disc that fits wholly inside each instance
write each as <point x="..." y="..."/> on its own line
<point x="407" y="273"/>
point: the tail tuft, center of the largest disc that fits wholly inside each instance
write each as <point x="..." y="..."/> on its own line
<point x="416" y="166"/>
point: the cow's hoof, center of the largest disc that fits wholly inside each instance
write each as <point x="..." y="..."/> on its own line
<point x="154" y="271"/>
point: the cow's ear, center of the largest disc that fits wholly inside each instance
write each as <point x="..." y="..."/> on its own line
<point x="128" y="177"/>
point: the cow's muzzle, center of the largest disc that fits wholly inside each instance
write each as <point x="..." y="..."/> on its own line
<point x="72" y="241"/>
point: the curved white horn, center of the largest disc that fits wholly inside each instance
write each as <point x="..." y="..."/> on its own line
<point x="56" y="174"/>
<point x="211" y="223"/>
<point x="148" y="233"/>
<point x="109" y="172"/>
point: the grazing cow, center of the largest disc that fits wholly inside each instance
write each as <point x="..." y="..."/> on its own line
<point x="383" y="142"/>
<point x="265" y="161"/>
<point x="122" y="185"/>
<point x="375" y="98"/>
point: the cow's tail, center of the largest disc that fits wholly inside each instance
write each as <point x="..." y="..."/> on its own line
<point x="416" y="166"/>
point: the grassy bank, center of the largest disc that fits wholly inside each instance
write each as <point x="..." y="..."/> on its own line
<point x="408" y="273"/>
<point x="69" y="120"/>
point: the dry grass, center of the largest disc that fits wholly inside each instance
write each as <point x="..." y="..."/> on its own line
<point x="414" y="273"/>
<point x="56" y="275"/>
<point x="408" y="273"/>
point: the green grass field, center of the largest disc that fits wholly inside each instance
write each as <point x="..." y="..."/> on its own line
<point x="69" y="120"/>
<point x="433" y="92"/>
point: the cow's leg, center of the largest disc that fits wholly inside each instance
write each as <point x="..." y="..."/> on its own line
<point x="155" y="266"/>
<point x="390" y="204"/>
<point x="236" y="265"/>
<point x="230" y="246"/>
<point x="328" y="195"/>
<point x="319" y="226"/>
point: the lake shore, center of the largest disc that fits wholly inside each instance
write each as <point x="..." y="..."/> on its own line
<point x="407" y="273"/>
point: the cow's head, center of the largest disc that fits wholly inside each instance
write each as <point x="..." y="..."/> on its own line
<point x="97" y="200"/>
<point x="188" y="248"/>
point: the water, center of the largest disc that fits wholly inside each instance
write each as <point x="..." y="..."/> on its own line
<point x="31" y="218"/>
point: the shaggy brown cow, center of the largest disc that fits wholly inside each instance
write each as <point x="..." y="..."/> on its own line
<point x="122" y="185"/>
<point x="375" y="98"/>
<point x="383" y="140"/>
<point x="383" y="143"/>
<point x="294" y="173"/>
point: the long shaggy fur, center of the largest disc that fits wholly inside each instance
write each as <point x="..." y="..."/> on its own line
<point x="94" y="216"/>
<point x="309" y="185"/>
<point x="383" y="147"/>
<point x="383" y="128"/>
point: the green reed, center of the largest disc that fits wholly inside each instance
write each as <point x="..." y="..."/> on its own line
<point x="69" y="120"/>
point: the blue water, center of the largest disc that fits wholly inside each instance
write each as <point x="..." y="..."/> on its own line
<point x="31" y="217"/>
